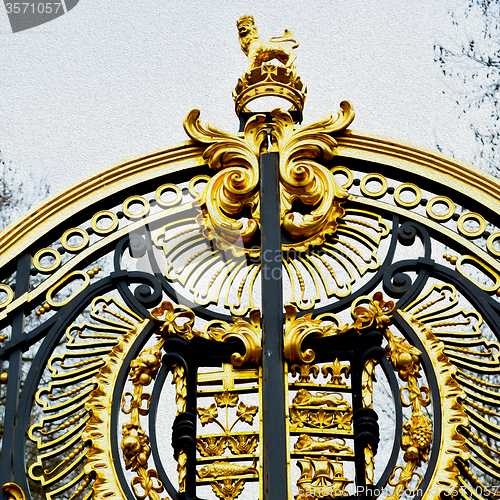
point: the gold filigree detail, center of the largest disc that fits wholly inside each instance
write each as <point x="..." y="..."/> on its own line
<point x="298" y="329"/>
<point x="234" y="187"/>
<point x="135" y="444"/>
<point x="181" y="324"/>
<point x="222" y="473"/>
<point x="248" y="333"/>
<point x="323" y="272"/>
<point x="305" y="180"/>
<point x="104" y="337"/>
<point x="321" y="411"/>
<point x="425" y="316"/>
<point x="405" y="360"/>
<point x="229" y="203"/>
<point x="14" y="490"/>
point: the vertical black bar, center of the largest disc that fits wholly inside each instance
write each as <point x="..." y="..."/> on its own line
<point x="14" y="377"/>
<point x="275" y="481"/>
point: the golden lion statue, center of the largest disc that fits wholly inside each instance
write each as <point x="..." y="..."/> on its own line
<point x="259" y="51"/>
<point x="306" y="443"/>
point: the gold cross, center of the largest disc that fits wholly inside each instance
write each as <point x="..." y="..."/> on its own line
<point x="228" y="375"/>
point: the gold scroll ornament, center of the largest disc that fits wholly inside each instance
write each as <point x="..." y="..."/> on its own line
<point x="229" y="203"/>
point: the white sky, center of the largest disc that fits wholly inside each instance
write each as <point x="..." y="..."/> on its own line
<point x="115" y="78"/>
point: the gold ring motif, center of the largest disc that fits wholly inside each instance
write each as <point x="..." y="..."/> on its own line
<point x="374" y="177"/>
<point x="471" y="216"/>
<point x="194" y="181"/>
<point x="489" y="244"/>
<point x="408" y="186"/>
<point x="445" y="201"/>
<point x="42" y="253"/>
<point x="10" y="295"/>
<point x="347" y="173"/>
<point x="69" y="234"/>
<point x="136" y="199"/>
<point x="168" y="187"/>
<point x="101" y="215"/>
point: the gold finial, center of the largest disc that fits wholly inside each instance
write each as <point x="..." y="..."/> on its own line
<point x="266" y="79"/>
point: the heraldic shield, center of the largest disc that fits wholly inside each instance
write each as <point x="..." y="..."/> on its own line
<point x="285" y="312"/>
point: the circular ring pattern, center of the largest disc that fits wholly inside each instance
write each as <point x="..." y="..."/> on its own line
<point x="374" y="177"/>
<point x="133" y="200"/>
<point x="443" y="200"/>
<point x="347" y="173"/>
<point x="489" y="244"/>
<point x="408" y="186"/>
<point x="101" y="215"/>
<point x="471" y="216"/>
<point x="194" y="181"/>
<point x="75" y="231"/>
<point x="10" y="295"/>
<point x="41" y="254"/>
<point x="167" y="187"/>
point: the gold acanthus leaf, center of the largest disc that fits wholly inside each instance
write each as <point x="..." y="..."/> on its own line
<point x="229" y="203"/>
<point x="179" y="321"/>
<point x="236" y="185"/>
<point x="14" y="490"/>
<point x="242" y="445"/>
<point x="298" y="329"/>
<point x="305" y="180"/>
<point x="248" y="333"/>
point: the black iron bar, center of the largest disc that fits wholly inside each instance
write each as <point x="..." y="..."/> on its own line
<point x="14" y="377"/>
<point x="275" y="483"/>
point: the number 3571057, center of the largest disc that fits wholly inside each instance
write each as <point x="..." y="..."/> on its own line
<point x="33" y="7"/>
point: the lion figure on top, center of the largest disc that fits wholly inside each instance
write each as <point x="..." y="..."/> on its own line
<point x="260" y="51"/>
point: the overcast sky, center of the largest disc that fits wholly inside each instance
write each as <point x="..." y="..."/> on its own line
<point x="113" y="79"/>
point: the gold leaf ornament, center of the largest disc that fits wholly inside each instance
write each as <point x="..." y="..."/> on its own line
<point x="229" y="203"/>
<point x="173" y="323"/>
<point x="321" y="419"/>
<point x="298" y="418"/>
<point x="246" y="413"/>
<point x="208" y="415"/>
<point x="298" y="329"/>
<point x="226" y="399"/>
<point x="305" y="180"/>
<point x="242" y="445"/>
<point x="236" y="185"/>
<point x="377" y="314"/>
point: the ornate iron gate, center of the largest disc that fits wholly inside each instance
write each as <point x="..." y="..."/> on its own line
<point x="285" y="312"/>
